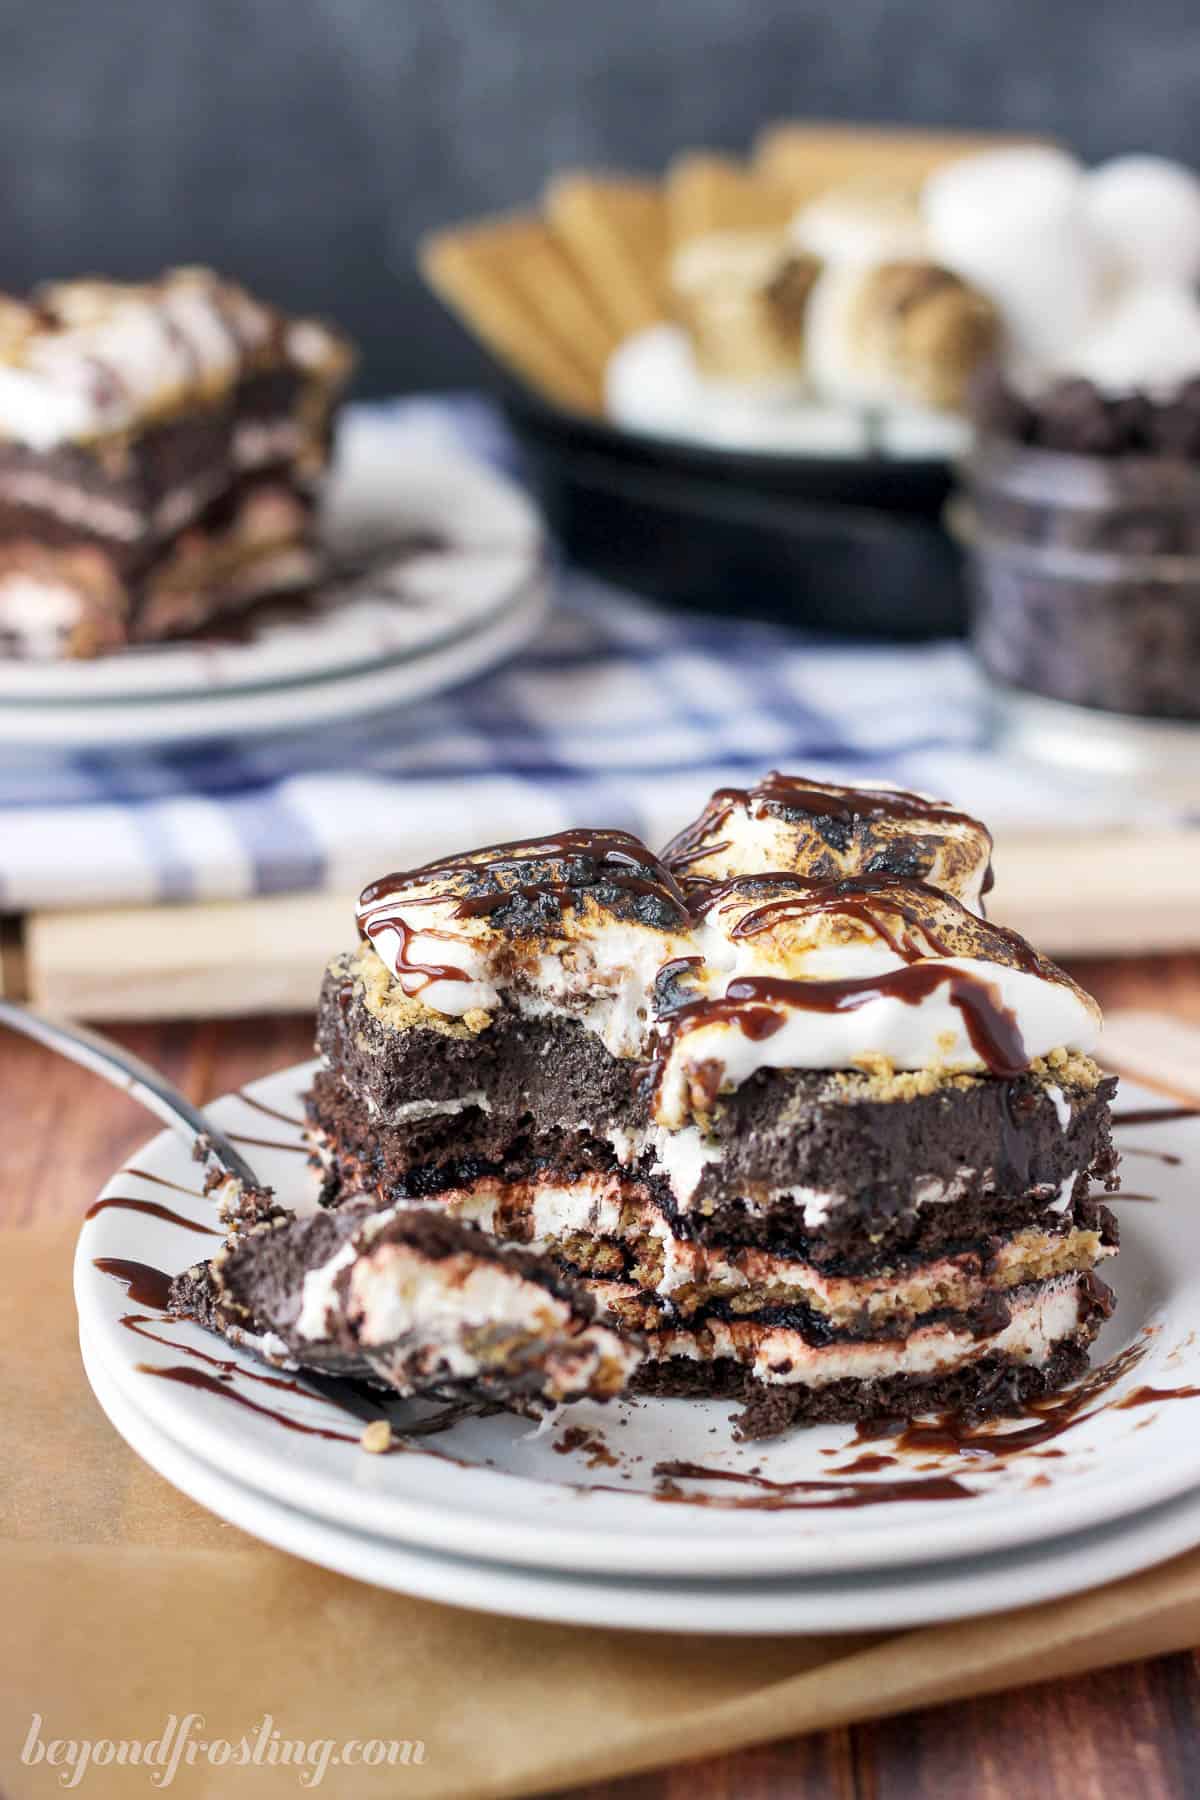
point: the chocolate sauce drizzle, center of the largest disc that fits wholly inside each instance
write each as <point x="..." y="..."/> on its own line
<point x="532" y="872"/>
<point x="1148" y="1396"/>
<point x="267" y="1143"/>
<point x="545" y="874"/>
<point x="1049" y="1417"/>
<point x="161" y="1181"/>
<point x="616" y="858"/>
<point x="136" y="1322"/>
<point x="793" y="793"/>
<point x="216" y="1384"/>
<point x="152" y="1209"/>
<point x="752" y="1002"/>
<point x="815" y="1494"/>
<point x="877" y="901"/>
<point x="270" y="1112"/>
<point x="1154" y="1115"/>
<point x="144" y="1284"/>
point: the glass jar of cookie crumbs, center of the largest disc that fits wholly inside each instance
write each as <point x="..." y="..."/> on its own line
<point x="1082" y="523"/>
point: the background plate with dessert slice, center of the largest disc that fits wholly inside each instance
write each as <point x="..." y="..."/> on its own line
<point x="442" y="573"/>
<point x="587" y="1490"/>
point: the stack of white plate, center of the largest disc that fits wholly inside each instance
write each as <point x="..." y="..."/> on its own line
<point x="450" y="576"/>
<point x="570" y="1521"/>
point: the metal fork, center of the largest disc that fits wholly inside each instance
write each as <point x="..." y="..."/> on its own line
<point x="120" y="1067"/>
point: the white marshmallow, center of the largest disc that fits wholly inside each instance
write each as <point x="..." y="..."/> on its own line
<point x="1145" y="212"/>
<point x="1149" y="338"/>
<point x="1014" y="223"/>
<point x="652" y="384"/>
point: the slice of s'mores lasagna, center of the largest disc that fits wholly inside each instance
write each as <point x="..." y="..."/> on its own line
<point x="809" y="1130"/>
<point x="161" y="443"/>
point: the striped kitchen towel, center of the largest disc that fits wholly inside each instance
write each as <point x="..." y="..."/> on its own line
<point x="622" y="713"/>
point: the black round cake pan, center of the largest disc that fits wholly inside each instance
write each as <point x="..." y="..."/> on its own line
<point x="853" y="545"/>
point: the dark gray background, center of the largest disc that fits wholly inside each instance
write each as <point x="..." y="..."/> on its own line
<point x="305" y="144"/>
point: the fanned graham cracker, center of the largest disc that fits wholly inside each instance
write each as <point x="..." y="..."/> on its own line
<point x="707" y="193"/>
<point x="808" y="158"/>
<point x="552" y="294"/>
<point x="511" y="281"/>
<point x="614" y="228"/>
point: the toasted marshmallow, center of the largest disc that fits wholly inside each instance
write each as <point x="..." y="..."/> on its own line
<point x="790" y="824"/>
<point x="579" y="922"/>
<point x="824" y="927"/>
<point x="91" y="357"/>
<point x="804" y="974"/>
<point x="898" y="334"/>
<point x="741" y="296"/>
<point x="861" y="222"/>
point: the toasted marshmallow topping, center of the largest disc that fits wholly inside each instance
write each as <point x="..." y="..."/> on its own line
<point x="846" y="959"/>
<point x="87" y="358"/>
<point x="578" y="922"/>
<point x="741" y="298"/>
<point x="788" y="823"/>
<point x="797" y="973"/>
<point x="898" y="333"/>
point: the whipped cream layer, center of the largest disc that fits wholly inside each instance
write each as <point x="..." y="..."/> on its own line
<point x="88" y="358"/>
<point x="1041" y="1317"/>
<point x="952" y="1013"/>
<point x="563" y="1219"/>
<point x="710" y="979"/>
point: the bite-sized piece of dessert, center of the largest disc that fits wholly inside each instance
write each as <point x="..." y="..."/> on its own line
<point x="410" y="1298"/>
<point x="160" y="446"/>
<point x="898" y="334"/>
<point x="818" y="1130"/>
<point x="741" y="297"/>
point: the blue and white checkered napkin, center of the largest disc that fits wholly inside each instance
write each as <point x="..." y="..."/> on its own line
<point x="623" y="714"/>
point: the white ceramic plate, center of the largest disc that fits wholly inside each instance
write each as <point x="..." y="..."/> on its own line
<point x="880" y="1600"/>
<point x="499" y="1489"/>
<point x="384" y="641"/>
<point x="36" y="730"/>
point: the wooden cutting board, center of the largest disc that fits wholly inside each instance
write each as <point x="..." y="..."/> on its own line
<point x="1099" y="894"/>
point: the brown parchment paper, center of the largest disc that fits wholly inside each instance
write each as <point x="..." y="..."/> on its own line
<point x="124" y="1605"/>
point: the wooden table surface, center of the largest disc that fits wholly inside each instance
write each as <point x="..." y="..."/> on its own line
<point x="1131" y="1732"/>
